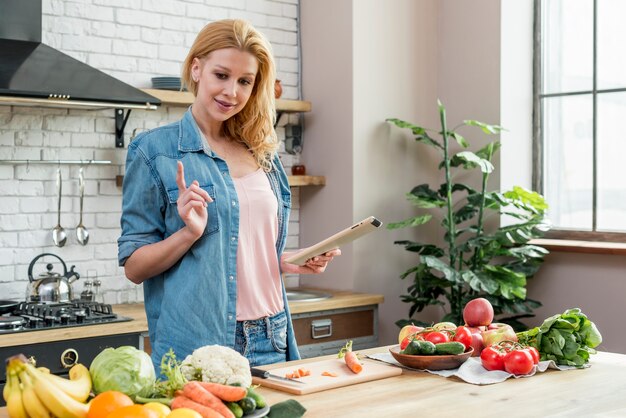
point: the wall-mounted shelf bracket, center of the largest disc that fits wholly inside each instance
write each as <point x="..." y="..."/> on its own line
<point x="120" y="124"/>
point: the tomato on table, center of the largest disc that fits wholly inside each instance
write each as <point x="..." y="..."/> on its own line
<point x="492" y="358"/>
<point x="464" y="336"/>
<point x="518" y="362"/>
<point x="437" y="337"/>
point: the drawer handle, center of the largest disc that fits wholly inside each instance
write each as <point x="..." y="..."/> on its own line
<point x="69" y="358"/>
<point x="321" y="328"/>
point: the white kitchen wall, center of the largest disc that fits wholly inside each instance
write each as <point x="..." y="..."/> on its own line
<point x="132" y="40"/>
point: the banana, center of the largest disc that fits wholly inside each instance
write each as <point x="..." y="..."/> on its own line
<point x="57" y="401"/>
<point x="15" y="405"/>
<point x="78" y="386"/>
<point x="32" y="403"/>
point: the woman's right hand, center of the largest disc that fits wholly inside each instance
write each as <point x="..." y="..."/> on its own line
<point x="192" y="202"/>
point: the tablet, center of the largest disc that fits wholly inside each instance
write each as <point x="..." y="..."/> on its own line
<point x="349" y="234"/>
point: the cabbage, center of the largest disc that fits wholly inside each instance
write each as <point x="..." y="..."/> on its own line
<point x="125" y="369"/>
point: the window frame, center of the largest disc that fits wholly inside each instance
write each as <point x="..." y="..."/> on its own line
<point x="537" y="150"/>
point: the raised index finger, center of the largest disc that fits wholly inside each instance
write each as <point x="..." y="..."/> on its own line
<point x="180" y="177"/>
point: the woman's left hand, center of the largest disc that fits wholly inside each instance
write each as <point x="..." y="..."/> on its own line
<point x="314" y="265"/>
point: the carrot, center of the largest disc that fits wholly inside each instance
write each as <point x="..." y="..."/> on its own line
<point x="205" y="411"/>
<point x="194" y="391"/>
<point x="304" y="372"/>
<point x="329" y="374"/>
<point x="225" y="392"/>
<point x="350" y="357"/>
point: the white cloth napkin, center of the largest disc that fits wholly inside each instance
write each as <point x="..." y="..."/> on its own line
<point x="472" y="371"/>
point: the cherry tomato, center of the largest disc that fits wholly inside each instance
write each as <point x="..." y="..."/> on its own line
<point x="534" y="353"/>
<point x="492" y="358"/>
<point x="464" y="336"/>
<point x="518" y="362"/>
<point x="437" y="337"/>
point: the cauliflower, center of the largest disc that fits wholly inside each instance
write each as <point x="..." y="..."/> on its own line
<point x="218" y="364"/>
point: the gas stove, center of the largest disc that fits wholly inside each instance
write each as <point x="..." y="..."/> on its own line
<point x="34" y="316"/>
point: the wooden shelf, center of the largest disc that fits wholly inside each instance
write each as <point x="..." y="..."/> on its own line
<point x="184" y="98"/>
<point x="294" y="181"/>
<point x="297" y="181"/>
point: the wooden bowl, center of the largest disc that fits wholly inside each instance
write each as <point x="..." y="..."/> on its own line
<point x="433" y="362"/>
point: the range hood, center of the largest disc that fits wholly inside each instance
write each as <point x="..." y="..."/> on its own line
<point x="34" y="74"/>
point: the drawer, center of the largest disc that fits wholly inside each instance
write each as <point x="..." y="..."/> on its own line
<point x="335" y="325"/>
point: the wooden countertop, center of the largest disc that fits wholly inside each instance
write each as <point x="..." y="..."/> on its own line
<point x="139" y="323"/>
<point x="595" y="391"/>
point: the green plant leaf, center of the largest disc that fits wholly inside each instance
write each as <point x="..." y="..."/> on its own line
<point x="415" y="221"/>
<point x="424" y="197"/>
<point x="465" y="213"/>
<point x="480" y="282"/>
<point x="470" y="160"/>
<point x="488" y="129"/>
<point x="436" y="264"/>
<point x="423" y="249"/>
<point x="459" y="139"/>
<point x="456" y="187"/>
<point x="489" y="150"/>
<point x="421" y="134"/>
<point x="533" y="199"/>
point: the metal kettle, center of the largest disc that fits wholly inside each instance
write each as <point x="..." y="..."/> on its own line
<point x="50" y="287"/>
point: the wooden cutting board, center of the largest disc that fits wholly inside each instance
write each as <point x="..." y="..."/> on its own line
<point x="372" y="370"/>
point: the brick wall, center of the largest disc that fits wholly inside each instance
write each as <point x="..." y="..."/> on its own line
<point x="132" y="40"/>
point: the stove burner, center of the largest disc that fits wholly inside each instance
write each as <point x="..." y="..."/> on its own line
<point x="30" y="316"/>
<point x="11" y="323"/>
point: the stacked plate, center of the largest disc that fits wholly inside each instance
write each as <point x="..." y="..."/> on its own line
<point x="166" y="83"/>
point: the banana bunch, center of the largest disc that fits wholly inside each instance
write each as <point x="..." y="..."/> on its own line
<point x="32" y="392"/>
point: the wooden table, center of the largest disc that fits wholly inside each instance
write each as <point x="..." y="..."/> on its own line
<point x="593" y="392"/>
<point x="597" y="391"/>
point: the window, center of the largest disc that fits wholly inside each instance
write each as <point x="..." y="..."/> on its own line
<point x="580" y="116"/>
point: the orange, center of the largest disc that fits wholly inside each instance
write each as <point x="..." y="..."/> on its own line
<point x="107" y="402"/>
<point x="133" y="411"/>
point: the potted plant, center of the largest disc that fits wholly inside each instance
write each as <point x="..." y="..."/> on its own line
<point x="472" y="261"/>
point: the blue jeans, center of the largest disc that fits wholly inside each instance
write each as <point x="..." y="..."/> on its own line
<point x="264" y="340"/>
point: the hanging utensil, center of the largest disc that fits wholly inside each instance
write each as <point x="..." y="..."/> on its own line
<point x="58" y="233"/>
<point x="82" y="234"/>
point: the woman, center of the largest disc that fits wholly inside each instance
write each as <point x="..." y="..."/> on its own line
<point x="206" y="205"/>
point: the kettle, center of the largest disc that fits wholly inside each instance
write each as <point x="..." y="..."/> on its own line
<point x="51" y="287"/>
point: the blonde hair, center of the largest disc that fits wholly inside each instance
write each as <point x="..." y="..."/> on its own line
<point x="254" y="124"/>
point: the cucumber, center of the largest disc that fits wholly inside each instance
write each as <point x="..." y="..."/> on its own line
<point x="248" y="405"/>
<point x="260" y="401"/>
<point x="453" y="347"/>
<point x="420" y="348"/>
<point x="235" y="409"/>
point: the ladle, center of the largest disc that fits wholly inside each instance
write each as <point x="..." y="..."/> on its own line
<point x="58" y="233"/>
<point x="82" y="234"/>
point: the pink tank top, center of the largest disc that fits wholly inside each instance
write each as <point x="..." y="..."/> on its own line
<point x="259" y="290"/>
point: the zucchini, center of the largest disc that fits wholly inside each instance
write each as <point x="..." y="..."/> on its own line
<point x="420" y="348"/>
<point x="260" y="401"/>
<point x="453" y="347"/>
<point x="248" y="405"/>
<point x="235" y="409"/>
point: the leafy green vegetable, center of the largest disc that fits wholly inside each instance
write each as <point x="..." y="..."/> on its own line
<point x="125" y="369"/>
<point x="568" y="338"/>
<point x="174" y="377"/>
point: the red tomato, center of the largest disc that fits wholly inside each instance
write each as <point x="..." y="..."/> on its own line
<point x="437" y="337"/>
<point x="492" y="359"/>
<point x="518" y="362"/>
<point x="464" y="336"/>
<point x="534" y="353"/>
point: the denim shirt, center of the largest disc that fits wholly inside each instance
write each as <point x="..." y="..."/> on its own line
<point x="193" y="303"/>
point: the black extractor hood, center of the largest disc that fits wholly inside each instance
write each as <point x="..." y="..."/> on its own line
<point x="34" y="74"/>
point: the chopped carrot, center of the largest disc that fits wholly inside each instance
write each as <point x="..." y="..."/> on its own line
<point x="304" y="372"/>
<point x="330" y="374"/>
<point x="185" y="402"/>
<point x="194" y="391"/>
<point x="225" y="392"/>
<point x="352" y="361"/>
